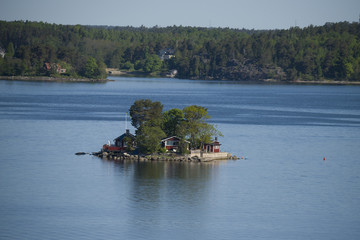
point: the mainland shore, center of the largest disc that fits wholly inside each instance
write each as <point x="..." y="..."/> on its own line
<point x="53" y="79"/>
<point x="115" y="72"/>
<point x="140" y="74"/>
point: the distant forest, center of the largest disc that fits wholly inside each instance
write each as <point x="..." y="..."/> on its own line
<point x="330" y="52"/>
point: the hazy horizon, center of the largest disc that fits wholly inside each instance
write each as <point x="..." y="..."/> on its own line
<point x="257" y="14"/>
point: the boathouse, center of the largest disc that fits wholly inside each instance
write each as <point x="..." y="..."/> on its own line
<point x="213" y="147"/>
<point x="210" y="151"/>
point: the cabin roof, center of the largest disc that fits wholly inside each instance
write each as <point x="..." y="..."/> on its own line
<point x="213" y="143"/>
<point x="127" y="134"/>
<point x="168" y="138"/>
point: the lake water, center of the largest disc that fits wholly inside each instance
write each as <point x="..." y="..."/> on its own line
<point x="284" y="190"/>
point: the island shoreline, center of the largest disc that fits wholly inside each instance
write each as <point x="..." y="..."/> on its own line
<point x="116" y="156"/>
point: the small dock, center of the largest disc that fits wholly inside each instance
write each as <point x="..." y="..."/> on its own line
<point x="210" y="156"/>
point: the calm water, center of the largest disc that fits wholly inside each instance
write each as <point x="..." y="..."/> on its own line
<point x="284" y="190"/>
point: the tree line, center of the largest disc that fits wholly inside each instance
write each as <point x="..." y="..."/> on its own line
<point x="152" y="124"/>
<point x="330" y="52"/>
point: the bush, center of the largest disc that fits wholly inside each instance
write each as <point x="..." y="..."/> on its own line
<point x="162" y="150"/>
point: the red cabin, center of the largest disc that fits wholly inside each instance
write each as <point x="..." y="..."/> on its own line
<point x="172" y="143"/>
<point x="213" y="147"/>
<point x="120" y="143"/>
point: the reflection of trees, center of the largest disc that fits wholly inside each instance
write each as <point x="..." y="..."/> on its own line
<point x="164" y="195"/>
<point x="171" y="181"/>
<point x="161" y="183"/>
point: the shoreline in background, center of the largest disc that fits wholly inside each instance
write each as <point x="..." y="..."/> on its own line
<point x="53" y="79"/>
<point x="119" y="73"/>
<point x="137" y="74"/>
<point x="315" y="82"/>
<point x="115" y="72"/>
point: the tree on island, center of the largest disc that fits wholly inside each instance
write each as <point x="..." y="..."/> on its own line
<point x="195" y="127"/>
<point x="152" y="125"/>
<point x="172" y="120"/>
<point x="146" y="117"/>
<point x="148" y="139"/>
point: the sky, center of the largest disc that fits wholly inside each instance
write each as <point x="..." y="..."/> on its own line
<point x="249" y="14"/>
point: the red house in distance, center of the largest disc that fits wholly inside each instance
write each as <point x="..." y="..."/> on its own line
<point x="120" y="143"/>
<point x="213" y="147"/>
<point x="171" y="143"/>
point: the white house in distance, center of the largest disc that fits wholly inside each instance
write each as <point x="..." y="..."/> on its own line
<point x="2" y="52"/>
<point x="166" y="54"/>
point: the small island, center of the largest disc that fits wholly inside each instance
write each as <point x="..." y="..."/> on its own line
<point x="173" y="135"/>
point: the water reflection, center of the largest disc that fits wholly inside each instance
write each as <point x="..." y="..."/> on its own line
<point x="154" y="182"/>
<point x="157" y="182"/>
<point x="163" y="196"/>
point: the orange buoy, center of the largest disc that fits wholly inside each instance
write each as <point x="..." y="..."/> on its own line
<point x="324" y="158"/>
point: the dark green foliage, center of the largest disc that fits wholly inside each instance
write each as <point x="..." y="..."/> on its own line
<point x="148" y="139"/>
<point x="152" y="63"/>
<point x="331" y="51"/>
<point x="195" y="127"/>
<point x="93" y="70"/>
<point x="145" y="112"/>
<point x="146" y="117"/>
<point x="171" y="122"/>
<point x="129" y="144"/>
<point x="10" y="51"/>
<point x="151" y="125"/>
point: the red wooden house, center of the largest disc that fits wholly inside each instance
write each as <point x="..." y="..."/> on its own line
<point x="48" y="66"/>
<point x="120" y="143"/>
<point x="172" y="143"/>
<point x="212" y="147"/>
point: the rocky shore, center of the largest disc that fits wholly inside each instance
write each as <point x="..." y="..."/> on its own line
<point x="53" y="79"/>
<point x="326" y="82"/>
<point x="158" y="157"/>
<point x="247" y="75"/>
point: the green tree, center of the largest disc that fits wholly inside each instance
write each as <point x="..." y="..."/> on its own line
<point x="129" y="144"/>
<point x="171" y="122"/>
<point x="10" y="51"/>
<point x="91" y="68"/>
<point x="152" y="63"/>
<point x="146" y="117"/>
<point x="101" y="69"/>
<point x="2" y="66"/>
<point x="349" y="70"/>
<point x="206" y="132"/>
<point x="127" y="65"/>
<point x="148" y="139"/>
<point x="147" y="112"/>
<point x="94" y="69"/>
<point x="195" y="126"/>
